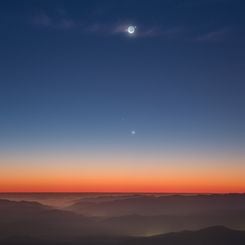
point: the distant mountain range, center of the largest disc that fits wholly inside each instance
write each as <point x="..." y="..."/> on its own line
<point x="23" y="222"/>
<point x="159" y="205"/>
<point x="30" y="218"/>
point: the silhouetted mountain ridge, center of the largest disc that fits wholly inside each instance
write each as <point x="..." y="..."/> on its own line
<point x="159" y="205"/>
<point x="22" y="219"/>
<point x="218" y="235"/>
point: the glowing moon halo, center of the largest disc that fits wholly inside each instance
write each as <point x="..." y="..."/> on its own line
<point x="131" y="29"/>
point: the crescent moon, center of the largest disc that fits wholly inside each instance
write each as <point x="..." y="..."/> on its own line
<point x="131" y="29"/>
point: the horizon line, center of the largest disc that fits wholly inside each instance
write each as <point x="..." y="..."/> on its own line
<point x="122" y="192"/>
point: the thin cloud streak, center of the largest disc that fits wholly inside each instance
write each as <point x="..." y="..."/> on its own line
<point x="214" y="36"/>
<point x="63" y="22"/>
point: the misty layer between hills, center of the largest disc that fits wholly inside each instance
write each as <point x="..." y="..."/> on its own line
<point x="135" y="215"/>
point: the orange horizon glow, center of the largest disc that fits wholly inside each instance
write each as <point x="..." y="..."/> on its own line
<point x="119" y="187"/>
<point x="128" y="175"/>
<point x="128" y="184"/>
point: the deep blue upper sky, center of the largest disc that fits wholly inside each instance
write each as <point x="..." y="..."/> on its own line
<point x="70" y="77"/>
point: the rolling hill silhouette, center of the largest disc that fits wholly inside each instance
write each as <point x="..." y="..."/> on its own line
<point x="210" y="236"/>
<point x="160" y="205"/>
<point x="31" y="218"/>
<point x="23" y="222"/>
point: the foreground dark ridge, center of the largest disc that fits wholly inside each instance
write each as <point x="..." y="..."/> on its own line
<point x="218" y="235"/>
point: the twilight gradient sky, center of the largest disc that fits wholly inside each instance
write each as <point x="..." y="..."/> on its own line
<point x="74" y="85"/>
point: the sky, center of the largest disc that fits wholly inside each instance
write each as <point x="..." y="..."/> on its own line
<point x="85" y="106"/>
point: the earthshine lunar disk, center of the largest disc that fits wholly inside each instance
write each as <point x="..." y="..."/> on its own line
<point x="133" y="132"/>
<point x="131" y="29"/>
